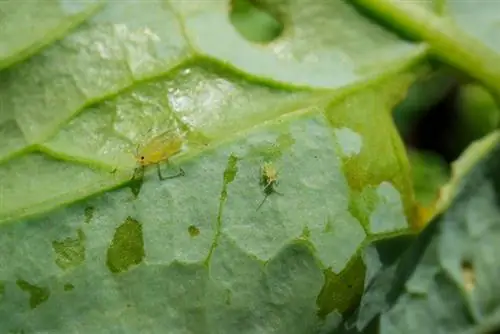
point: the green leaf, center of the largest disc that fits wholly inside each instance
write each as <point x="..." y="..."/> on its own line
<point x="96" y="252"/>
<point x="429" y="174"/>
<point x="28" y="26"/>
<point x="462" y="33"/>
<point x="443" y="282"/>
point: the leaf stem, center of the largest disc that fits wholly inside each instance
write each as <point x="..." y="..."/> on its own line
<point x="447" y="41"/>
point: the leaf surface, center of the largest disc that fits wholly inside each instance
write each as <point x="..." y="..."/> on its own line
<point x="27" y="26"/>
<point x="86" y="250"/>
<point x="443" y="281"/>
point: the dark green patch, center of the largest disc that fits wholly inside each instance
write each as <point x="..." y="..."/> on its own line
<point x="306" y="233"/>
<point x="2" y="289"/>
<point x="17" y="331"/>
<point x="229" y="175"/>
<point x="136" y="181"/>
<point x="229" y="297"/>
<point x="70" y="252"/>
<point x="362" y="204"/>
<point x="328" y="225"/>
<point x="231" y="169"/>
<point x="341" y="292"/>
<point x="127" y="246"/>
<point x="89" y="214"/>
<point x="193" y="231"/>
<point x="274" y="151"/>
<point x="68" y="287"/>
<point x="38" y="295"/>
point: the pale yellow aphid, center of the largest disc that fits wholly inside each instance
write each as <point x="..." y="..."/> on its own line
<point x="269" y="179"/>
<point x="160" y="149"/>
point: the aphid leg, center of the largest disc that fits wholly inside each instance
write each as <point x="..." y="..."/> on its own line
<point x="161" y="177"/>
<point x="271" y="188"/>
<point x="265" y="197"/>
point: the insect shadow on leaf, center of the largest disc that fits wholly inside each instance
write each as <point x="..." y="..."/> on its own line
<point x="159" y="149"/>
<point x="269" y="180"/>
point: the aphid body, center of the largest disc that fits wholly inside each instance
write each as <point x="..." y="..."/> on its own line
<point x="160" y="149"/>
<point x="269" y="175"/>
<point x="269" y="180"/>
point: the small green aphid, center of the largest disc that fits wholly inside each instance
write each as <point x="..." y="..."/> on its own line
<point x="159" y="149"/>
<point x="269" y="179"/>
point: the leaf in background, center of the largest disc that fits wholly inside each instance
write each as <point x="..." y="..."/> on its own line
<point x="429" y="174"/>
<point x="27" y="26"/>
<point x="477" y="115"/>
<point x="192" y="254"/>
<point x="458" y="32"/>
<point x="443" y="282"/>
<point x="421" y="97"/>
<point x="482" y="22"/>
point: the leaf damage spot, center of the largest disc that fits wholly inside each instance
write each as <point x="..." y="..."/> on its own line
<point x="136" y="182"/>
<point x="306" y="233"/>
<point x="388" y="214"/>
<point x="229" y="297"/>
<point x="70" y="252"/>
<point x="229" y="175"/>
<point x="193" y="231"/>
<point x="255" y="23"/>
<point x="38" y="295"/>
<point x="127" y="246"/>
<point x="468" y="275"/>
<point x="350" y="142"/>
<point x="88" y="214"/>
<point x="2" y="289"/>
<point x="341" y="291"/>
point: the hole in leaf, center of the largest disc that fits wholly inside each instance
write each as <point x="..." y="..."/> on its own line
<point x="254" y="22"/>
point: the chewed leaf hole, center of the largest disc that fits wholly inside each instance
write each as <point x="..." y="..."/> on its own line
<point x="253" y="22"/>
